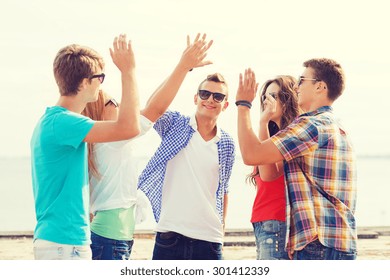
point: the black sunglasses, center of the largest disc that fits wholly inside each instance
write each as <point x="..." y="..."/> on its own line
<point x="205" y="94"/>
<point x="99" y="76"/>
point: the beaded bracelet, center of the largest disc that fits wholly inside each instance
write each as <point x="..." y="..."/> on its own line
<point x="244" y="103"/>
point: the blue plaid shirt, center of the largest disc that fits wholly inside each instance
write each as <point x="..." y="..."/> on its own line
<point x="175" y="131"/>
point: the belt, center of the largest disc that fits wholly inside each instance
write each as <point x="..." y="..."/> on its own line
<point x="172" y="234"/>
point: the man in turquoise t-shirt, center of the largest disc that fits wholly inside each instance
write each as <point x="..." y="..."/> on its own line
<point x="59" y="153"/>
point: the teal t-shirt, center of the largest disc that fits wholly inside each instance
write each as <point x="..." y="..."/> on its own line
<point x="59" y="166"/>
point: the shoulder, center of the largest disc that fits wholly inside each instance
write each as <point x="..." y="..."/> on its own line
<point x="173" y="116"/>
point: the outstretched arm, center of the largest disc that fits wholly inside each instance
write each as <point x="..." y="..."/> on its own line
<point x="127" y="124"/>
<point x="253" y="151"/>
<point x="193" y="56"/>
<point x="268" y="172"/>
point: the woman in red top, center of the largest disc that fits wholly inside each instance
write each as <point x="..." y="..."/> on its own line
<point x="279" y="108"/>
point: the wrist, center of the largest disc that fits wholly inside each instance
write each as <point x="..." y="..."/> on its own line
<point x="244" y="103"/>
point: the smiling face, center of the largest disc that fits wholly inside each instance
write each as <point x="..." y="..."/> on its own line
<point x="210" y="108"/>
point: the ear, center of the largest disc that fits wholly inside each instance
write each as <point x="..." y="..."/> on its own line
<point x="195" y="99"/>
<point x="84" y="83"/>
<point x="321" y="86"/>
<point x="225" y="105"/>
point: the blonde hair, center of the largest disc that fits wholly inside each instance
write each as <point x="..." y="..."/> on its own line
<point x="95" y="111"/>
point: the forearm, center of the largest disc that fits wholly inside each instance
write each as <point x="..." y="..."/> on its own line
<point x="247" y="139"/>
<point x="128" y="116"/>
<point x="162" y="98"/>
<point x="268" y="172"/>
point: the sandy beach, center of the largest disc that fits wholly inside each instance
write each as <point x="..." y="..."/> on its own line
<point x="373" y="244"/>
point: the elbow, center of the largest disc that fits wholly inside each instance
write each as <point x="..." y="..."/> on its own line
<point x="249" y="159"/>
<point x="131" y="131"/>
<point x="134" y="132"/>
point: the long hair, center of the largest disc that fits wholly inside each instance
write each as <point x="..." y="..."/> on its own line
<point x="95" y="111"/>
<point x="290" y="109"/>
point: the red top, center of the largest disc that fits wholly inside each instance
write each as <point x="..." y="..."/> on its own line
<point x="270" y="201"/>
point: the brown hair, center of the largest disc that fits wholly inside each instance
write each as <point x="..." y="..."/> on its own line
<point x="95" y="111"/>
<point x="290" y="109"/>
<point x="72" y="64"/>
<point x="216" y="78"/>
<point x="330" y="72"/>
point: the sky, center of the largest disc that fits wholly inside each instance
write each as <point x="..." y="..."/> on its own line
<point x="272" y="37"/>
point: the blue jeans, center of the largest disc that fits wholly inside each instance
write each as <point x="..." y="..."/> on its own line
<point x="174" y="246"/>
<point x="110" y="249"/>
<point x="316" y="251"/>
<point x="270" y="240"/>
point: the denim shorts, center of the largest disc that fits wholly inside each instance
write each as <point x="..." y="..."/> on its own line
<point x="110" y="249"/>
<point x="270" y="240"/>
<point x="174" y="246"/>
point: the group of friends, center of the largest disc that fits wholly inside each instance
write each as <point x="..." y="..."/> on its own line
<point x="88" y="195"/>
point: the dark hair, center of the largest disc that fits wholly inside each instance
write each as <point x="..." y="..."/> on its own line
<point x="330" y="72"/>
<point x="217" y="78"/>
<point x="72" y="64"/>
<point x="290" y="109"/>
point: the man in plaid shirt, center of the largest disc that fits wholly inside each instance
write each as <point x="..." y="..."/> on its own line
<point x="320" y="169"/>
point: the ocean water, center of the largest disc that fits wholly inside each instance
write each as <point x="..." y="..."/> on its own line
<point x="373" y="208"/>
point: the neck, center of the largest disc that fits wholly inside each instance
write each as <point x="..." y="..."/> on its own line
<point x="317" y="105"/>
<point x="207" y="128"/>
<point x="72" y="103"/>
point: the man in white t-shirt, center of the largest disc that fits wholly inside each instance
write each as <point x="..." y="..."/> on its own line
<point x="187" y="179"/>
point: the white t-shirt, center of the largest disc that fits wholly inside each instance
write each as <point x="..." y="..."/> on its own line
<point x="189" y="191"/>
<point x="117" y="187"/>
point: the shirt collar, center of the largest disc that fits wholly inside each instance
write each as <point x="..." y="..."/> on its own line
<point x="320" y="110"/>
<point x="193" y="124"/>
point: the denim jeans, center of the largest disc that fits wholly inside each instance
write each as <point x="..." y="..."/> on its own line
<point x="110" y="249"/>
<point x="316" y="251"/>
<point x="174" y="246"/>
<point x="47" y="250"/>
<point x="270" y="240"/>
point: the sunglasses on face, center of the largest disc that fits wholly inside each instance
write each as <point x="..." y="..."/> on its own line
<point x="301" y="79"/>
<point x="99" y="76"/>
<point x="205" y="94"/>
<point x="273" y="94"/>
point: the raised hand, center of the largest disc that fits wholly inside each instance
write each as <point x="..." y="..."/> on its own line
<point x="122" y="54"/>
<point x="269" y="108"/>
<point x="247" y="86"/>
<point x="195" y="53"/>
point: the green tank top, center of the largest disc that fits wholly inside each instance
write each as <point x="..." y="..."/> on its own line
<point x="115" y="224"/>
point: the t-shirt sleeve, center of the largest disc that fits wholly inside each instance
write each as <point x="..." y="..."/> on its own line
<point x="145" y="125"/>
<point x="296" y="140"/>
<point x="71" y="128"/>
